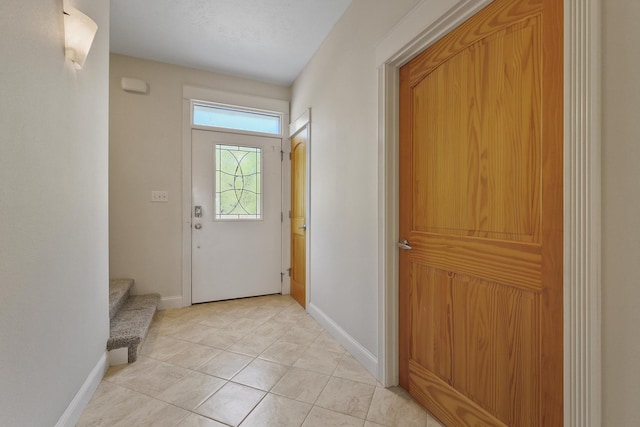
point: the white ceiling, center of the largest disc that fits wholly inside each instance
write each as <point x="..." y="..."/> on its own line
<point x="268" y="40"/>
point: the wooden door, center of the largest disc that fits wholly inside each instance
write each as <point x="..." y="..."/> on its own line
<point x="298" y="216"/>
<point x="481" y="205"/>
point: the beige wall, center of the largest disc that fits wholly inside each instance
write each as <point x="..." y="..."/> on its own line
<point x="621" y="214"/>
<point x="341" y="87"/>
<point x="54" y="320"/>
<point x="145" y="154"/>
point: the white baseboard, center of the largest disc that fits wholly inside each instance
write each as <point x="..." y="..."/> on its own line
<point x="364" y="356"/>
<point x="73" y="412"/>
<point x="170" y="302"/>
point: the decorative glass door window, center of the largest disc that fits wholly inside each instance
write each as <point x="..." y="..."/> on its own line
<point x="238" y="182"/>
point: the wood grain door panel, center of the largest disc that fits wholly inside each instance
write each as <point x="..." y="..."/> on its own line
<point x="481" y="136"/>
<point x="492" y="182"/>
<point x="478" y="337"/>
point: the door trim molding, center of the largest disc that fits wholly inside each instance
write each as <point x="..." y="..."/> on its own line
<point x="186" y="201"/>
<point x="190" y="93"/>
<point x="425" y="24"/>
<point x="303" y="120"/>
<point x="582" y="223"/>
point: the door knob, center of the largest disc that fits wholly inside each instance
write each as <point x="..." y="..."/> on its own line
<point x="303" y="227"/>
<point x="404" y="245"/>
<point x="197" y="226"/>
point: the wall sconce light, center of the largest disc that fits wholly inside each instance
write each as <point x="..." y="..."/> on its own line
<point x="79" y="31"/>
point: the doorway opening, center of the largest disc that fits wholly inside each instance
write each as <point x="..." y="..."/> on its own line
<point x="300" y="131"/>
<point x="233" y="196"/>
<point x="582" y="183"/>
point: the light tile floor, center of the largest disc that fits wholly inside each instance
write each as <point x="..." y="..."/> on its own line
<point x="250" y="362"/>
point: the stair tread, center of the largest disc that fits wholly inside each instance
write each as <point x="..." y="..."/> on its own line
<point x="130" y="325"/>
<point x="118" y="294"/>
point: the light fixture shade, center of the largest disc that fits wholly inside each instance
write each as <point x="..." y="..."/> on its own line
<point x="79" y="31"/>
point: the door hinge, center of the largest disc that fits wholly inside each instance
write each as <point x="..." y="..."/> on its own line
<point x="289" y="214"/>
<point x="289" y="271"/>
<point x="281" y="216"/>
<point x="281" y="277"/>
<point x="281" y="156"/>
<point x="289" y="156"/>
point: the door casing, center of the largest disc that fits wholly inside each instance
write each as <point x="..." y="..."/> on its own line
<point x="194" y="93"/>
<point x="425" y="24"/>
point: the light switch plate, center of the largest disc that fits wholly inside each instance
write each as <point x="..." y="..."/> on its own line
<point x="159" y="196"/>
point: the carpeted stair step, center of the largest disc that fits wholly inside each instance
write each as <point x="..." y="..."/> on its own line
<point x="131" y="323"/>
<point x="118" y="294"/>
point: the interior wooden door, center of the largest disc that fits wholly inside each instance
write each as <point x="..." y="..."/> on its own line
<point x="298" y="216"/>
<point x="481" y="208"/>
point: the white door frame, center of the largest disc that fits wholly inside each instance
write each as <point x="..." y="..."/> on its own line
<point x="425" y="24"/>
<point x="189" y="94"/>
<point x="304" y="120"/>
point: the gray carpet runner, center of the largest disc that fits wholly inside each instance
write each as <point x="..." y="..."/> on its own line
<point x="130" y="316"/>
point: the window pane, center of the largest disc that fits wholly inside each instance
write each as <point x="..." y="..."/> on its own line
<point x="238" y="190"/>
<point x="205" y="115"/>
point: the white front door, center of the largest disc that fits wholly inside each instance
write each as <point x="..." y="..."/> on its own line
<point x="236" y="238"/>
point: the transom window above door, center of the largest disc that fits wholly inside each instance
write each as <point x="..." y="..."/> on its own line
<point x="238" y="119"/>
